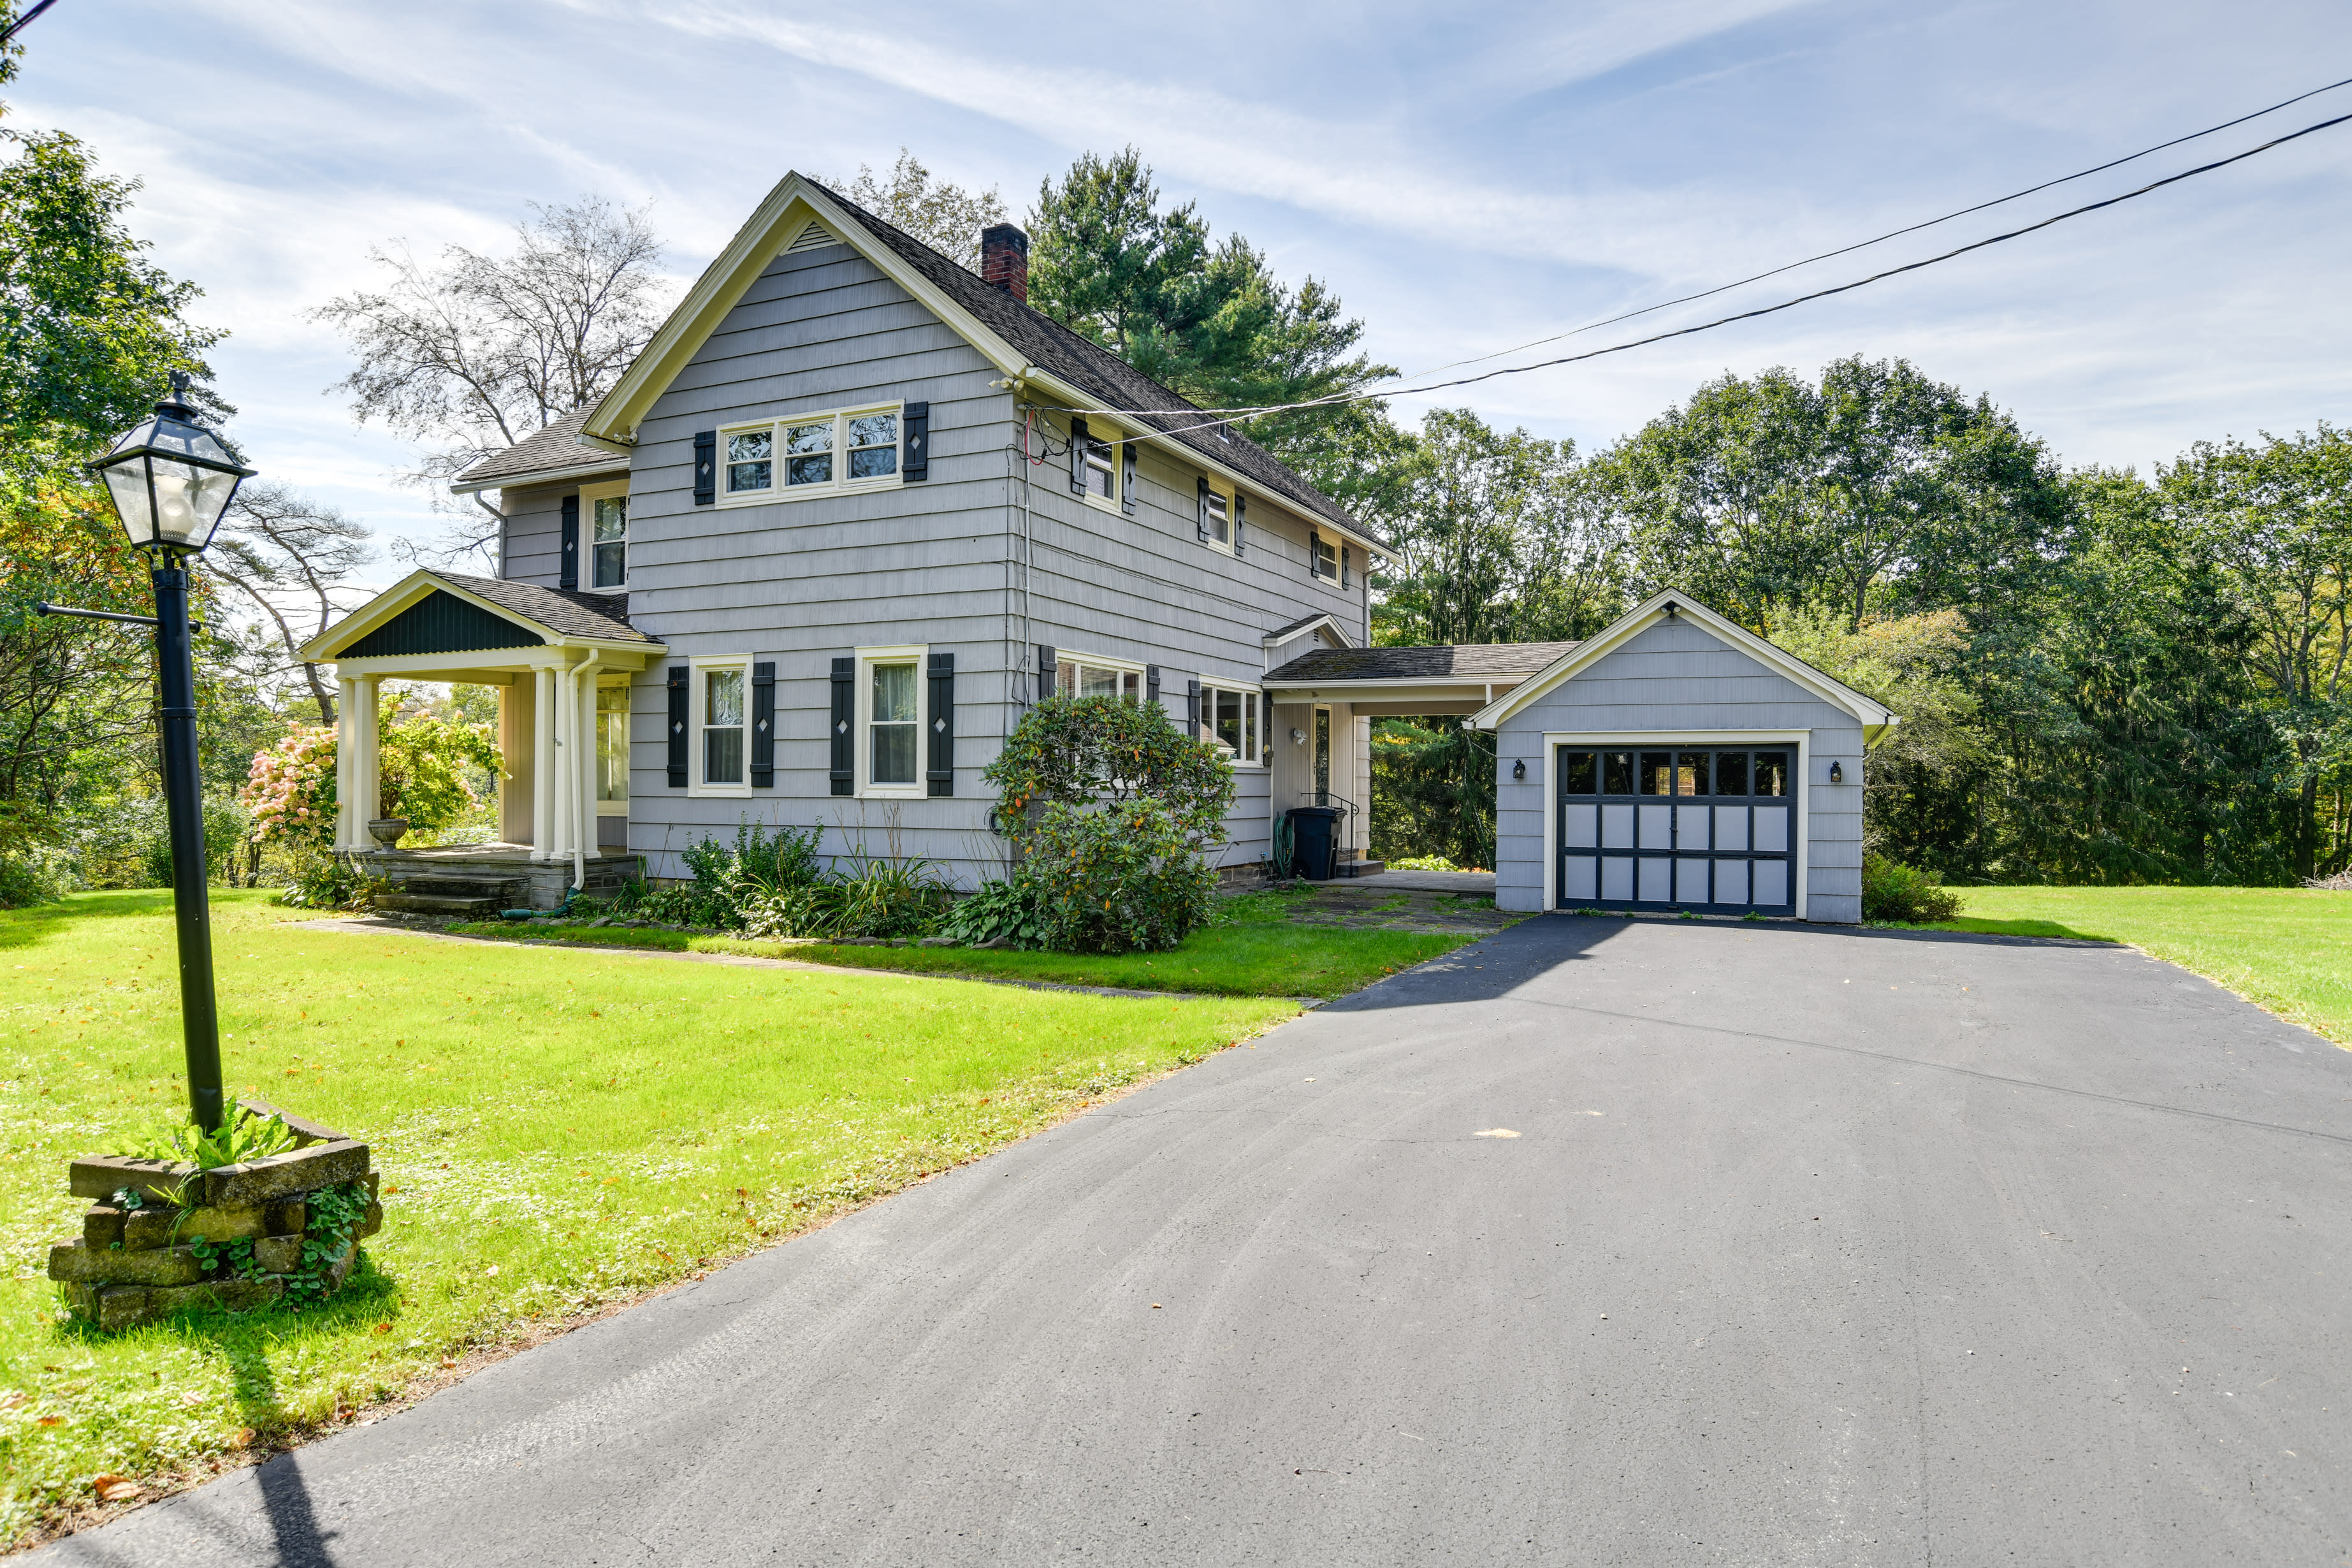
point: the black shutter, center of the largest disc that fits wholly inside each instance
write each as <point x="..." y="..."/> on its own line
<point x="569" y="571"/>
<point x="915" y="434"/>
<point x="763" y="726"/>
<point x="1347" y="567"/>
<point x="1314" y="553"/>
<point x="678" y="716"/>
<point x="705" y="467"/>
<point x="1241" y="511"/>
<point x="1151" y="684"/>
<point x="1192" y="706"/>
<point x="1126" y="478"/>
<point x="845" y="720"/>
<point x="1047" y="662"/>
<point x="1077" y="457"/>
<point x="941" y="772"/>
<point x="1201" y="501"/>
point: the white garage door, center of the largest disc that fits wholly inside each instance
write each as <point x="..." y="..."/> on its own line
<point x="1706" y="829"/>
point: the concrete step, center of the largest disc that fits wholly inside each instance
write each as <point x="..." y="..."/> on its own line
<point x="407" y="903"/>
<point x="1360" y="868"/>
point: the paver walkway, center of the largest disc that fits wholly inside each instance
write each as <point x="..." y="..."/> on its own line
<point x="1598" y="1242"/>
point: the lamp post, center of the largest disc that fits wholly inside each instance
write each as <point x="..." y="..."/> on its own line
<point x="170" y="480"/>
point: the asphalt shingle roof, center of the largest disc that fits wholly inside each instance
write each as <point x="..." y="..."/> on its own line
<point x="1053" y="347"/>
<point x="550" y="450"/>
<point x="1472" y="659"/>
<point x="604" y="616"/>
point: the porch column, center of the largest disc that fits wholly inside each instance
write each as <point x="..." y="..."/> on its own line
<point x="350" y="821"/>
<point x="367" y="773"/>
<point x="544" y="770"/>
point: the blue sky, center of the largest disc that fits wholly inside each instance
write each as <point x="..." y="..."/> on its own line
<point x="1465" y="179"/>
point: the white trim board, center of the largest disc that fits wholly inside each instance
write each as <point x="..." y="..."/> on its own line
<point x="1554" y="740"/>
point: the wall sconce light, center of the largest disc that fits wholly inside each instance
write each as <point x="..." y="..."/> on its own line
<point x="1519" y="771"/>
<point x="1299" y="737"/>
<point x="1837" y="772"/>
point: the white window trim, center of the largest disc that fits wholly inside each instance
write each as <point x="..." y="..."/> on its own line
<point x="1315" y="559"/>
<point x="863" y="727"/>
<point x="589" y="496"/>
<point x="1116" y="440"/>
<point x="628" y="742"/>
<point x="1208" y="721"/>
<point x="842" y="484"/>
<point x="696" y="665"/>
<point x="1221" y="546"/>
<point x="1104" y="661"/>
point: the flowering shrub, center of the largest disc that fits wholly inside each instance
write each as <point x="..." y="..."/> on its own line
<point x="1114" y="812"/>
<point x="290" y="788"/>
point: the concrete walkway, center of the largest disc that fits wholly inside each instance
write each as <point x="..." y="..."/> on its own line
<point x="1599" y="1242"/>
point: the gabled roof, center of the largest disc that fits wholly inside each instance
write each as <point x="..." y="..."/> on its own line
<point x="460" y="614"/>
<point x="1875" y="716"/>
<point x="553" y="453"/>
<point x="1026" y="344"/>
<point x="1467" y="661"/>
<point x="1322" y="618"/>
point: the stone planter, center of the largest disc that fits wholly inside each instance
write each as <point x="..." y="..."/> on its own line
<point x="132" y="1266"/>
<point x="387" y="830"/>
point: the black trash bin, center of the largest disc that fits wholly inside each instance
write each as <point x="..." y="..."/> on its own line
<point x="1314" y="832"/>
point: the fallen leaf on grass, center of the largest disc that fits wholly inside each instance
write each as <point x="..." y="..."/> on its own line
<point x="1496" y="1132"/>
<point x="53" y="1420"/>
<point x="192" y="1398"/>
<point x="115" y="1489"/>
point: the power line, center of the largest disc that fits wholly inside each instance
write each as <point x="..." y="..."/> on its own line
<point x="1340" y="400"/>
<point x="1891" y="234"/>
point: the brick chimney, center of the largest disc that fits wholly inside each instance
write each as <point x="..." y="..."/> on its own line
<point x="1004" y="259"/>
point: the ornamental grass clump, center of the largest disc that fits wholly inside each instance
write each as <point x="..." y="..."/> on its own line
<point x="1112" y="811"/>
<point x="1904" y="895"/>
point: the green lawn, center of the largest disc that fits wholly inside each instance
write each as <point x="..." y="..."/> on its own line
<point x="1253" y="951"/>
<point x="556" y="1130"/>
<point x="2286" y="949"/>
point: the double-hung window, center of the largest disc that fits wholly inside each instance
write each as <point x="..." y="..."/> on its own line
<point x="834" y="452"/>
<point x="607" y="507"/>
<point x="722" y="719"/>
<point x="1233" y="718"/>
<point x="1217" y="517"/>
<point x="1098" y="468"/>
<point x="890" y="701"/>
<point x="1084" y="675"/>
<point x="1327" y="558"/>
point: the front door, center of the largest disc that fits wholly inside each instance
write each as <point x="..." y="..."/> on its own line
<point x="1697" y="827"/>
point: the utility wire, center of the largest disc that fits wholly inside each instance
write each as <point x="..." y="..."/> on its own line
<point x="1343" y="398"/>
<point x="1891" y="234"/>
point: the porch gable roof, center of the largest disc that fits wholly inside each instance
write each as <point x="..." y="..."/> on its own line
<point x="445" y="612"/>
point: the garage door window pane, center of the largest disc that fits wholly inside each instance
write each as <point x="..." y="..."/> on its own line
<point x="1657" y="772"/>
<point x="1690" y="773"/>
<point x="1772" y="773"/>
<point x="1731" y="773"/>
<point x="1576" y="770"/>
<point x="1618" y="769"/>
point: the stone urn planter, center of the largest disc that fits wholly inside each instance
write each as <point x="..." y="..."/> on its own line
<point x="135" y="1263"/>
<point x="387" y="830"/>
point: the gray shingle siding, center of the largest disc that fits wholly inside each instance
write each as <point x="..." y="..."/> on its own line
<point x="936" y="563"/>
<point x="1677" y="677"/>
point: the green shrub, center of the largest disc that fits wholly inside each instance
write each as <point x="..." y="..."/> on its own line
<point x="889" y="898"/>
<point x="1112" y="810"/>
<point x="35" y="874"/>
<point x="1894" y="891"/>
<point x="1013" y="913"/>
<point x="326" y="881"/>
<point x="1423" y="863"/>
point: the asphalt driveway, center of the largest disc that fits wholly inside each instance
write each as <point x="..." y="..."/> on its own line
<point x="1814" y="1246"/>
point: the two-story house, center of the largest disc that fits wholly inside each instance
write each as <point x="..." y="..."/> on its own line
<point x="853" y="509"/>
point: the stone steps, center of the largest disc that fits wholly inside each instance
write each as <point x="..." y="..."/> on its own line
<point x="438" y="904"/>
<point x="474" y="897"/>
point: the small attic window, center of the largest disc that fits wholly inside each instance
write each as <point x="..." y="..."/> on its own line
<point x="816" y="236"/>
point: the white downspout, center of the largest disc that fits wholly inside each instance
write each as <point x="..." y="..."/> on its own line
<point x="583" y="771"/>
<point x="543" y="769"/>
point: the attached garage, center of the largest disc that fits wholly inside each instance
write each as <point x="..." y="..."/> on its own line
<point x="1677" y="762"/>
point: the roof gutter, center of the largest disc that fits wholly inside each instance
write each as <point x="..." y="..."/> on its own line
<point x="619" y="463"/>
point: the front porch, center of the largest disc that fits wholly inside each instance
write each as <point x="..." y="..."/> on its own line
<point x="561" y="664"/>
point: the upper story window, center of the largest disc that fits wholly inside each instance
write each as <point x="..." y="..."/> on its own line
<point x="1327" y="558"/>
<point x="1082" y="675"/>
<point x="833" y="453"/>
<point x="1100" y="461"/>
<point x="1216" y="516"/>
<point x="607" y="507"/>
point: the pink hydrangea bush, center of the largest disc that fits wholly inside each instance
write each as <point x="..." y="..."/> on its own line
<point x="291" y="789"/>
